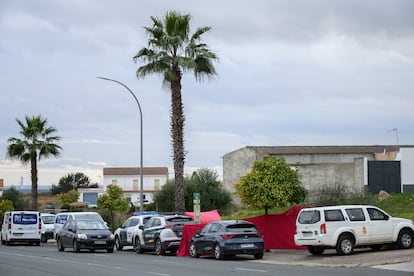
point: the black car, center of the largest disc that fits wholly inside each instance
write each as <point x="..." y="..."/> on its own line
<point x="85" y="234"/>
<point x="227" y="238"/>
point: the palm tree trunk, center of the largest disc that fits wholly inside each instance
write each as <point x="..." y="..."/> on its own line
<point x="33" y="163"/>
<point x="177" y="136"/>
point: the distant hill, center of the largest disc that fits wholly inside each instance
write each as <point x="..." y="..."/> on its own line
<point x="27" y="189"/>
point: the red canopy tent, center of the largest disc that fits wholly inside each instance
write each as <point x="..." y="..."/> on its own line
<point x="278" y="230"/>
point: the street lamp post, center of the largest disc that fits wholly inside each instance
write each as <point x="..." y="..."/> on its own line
<point x="141" y="173"/>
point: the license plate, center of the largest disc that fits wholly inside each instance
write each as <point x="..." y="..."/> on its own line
<point x="307" y="234"/>
<point x="247" y="245"/>
<point x="100" y="242"/>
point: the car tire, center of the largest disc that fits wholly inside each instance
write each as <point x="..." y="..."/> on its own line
<point x="59" y="245"/>
<point x="345" y="245"/>
<point x="218" y="253"/>
<point x="405" y="239"/>
<point x="43" y="239"/>
<point x="316" y="250"/>
<point x="193" y="251"/>
<point x="137" y="246"/>
<point x="259" y="256"/>
<point x="159" y="250"/>
<point x="110" y="250"/>
<point x="76" y="247"/>
<point x="118" y="244"/>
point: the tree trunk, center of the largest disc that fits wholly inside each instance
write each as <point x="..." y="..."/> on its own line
<point x="33" y="163"/>
<point x="177" y="136"/>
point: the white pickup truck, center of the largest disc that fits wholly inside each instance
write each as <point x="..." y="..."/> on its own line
<point x="348" y="226"/>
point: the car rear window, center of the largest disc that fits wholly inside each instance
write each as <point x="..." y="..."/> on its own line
<point x="25" y="219"/>
<point x="178" y="220"/>
<point x="241" y="228"/>
<point x="334" y="215"/>
<point x="309" y="217"/>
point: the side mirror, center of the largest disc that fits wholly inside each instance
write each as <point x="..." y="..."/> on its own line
<point x="70" y="230"/>
<point x="198" y="234"/>
<point x="141" y="227"/>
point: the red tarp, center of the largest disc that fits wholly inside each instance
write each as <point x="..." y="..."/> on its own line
<point x="278" y="231"/>
<point x="206" y="217"/>
<point x="189" y="231"/>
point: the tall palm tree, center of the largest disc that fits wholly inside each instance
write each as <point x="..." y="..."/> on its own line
<point x="37" y="140"/>
<point x="172" y="51"/>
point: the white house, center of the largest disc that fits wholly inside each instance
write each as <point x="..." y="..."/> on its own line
<point x="128" y="178"/>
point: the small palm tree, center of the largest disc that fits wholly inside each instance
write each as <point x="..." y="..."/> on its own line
<point x="36" y="141"/>
<point x="170" y="52"/>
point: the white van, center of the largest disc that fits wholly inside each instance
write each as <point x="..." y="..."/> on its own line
<point x="21" y="226"/>
<point x="48" y="224"/>
<point x="61" y="218"/>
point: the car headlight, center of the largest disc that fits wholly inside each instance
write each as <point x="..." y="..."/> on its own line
<point x="82" y="236"/>
<point x="112" y="236"/>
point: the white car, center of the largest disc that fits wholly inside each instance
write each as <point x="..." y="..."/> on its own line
<point x="125" y="233"/>
<point x="348" y="226"/>
<point x="48" y="225"/>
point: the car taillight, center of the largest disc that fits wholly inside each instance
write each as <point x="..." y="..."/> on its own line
<point x="228" y="236"/>
<point x="323" y="228"/>
<point x="40" y="224"/>
<point x="9" y="224"/>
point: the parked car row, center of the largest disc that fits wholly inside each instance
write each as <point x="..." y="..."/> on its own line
<point x="339" y="227"/>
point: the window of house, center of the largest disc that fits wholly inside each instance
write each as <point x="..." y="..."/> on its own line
<point x="157" y="185"/>
<point x="135" y="184"/>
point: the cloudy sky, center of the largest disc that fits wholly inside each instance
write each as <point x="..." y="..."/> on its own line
<point x="290" y="73"/>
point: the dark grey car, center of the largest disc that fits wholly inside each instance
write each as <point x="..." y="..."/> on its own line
<point x="85" y="234"/>
<point x="227" y="238"/>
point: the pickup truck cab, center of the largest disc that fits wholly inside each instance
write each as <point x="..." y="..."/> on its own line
<point x="348" y="226"/>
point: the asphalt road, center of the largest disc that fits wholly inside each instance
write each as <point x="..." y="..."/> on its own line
<point x="46" y="260"/>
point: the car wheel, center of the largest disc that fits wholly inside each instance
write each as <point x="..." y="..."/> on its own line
<point x="137" y="246"/>
<point x="193" y="250"/>
<point x="159" y="250"/>
<point x="316" y="250"/>
<point x="258" y="256"/>
<point x="405" y="239"/>
<point x="345" y="245"/>
<point x="59" y="244"/>
<point x="110" y="250"/>
<point x="43" y="239"/>
<point x="118" y="244"/>
<point x="218" y="254"/>
<point x="76" y="246"/>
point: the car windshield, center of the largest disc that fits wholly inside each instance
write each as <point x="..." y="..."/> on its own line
<point x="48" y="219"/>
<point x="90" y="225"/>
<point x="87" y="216"/>
<point x="241" y="228"/>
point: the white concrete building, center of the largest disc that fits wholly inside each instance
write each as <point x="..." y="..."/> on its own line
<point x="128" y="178"/>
